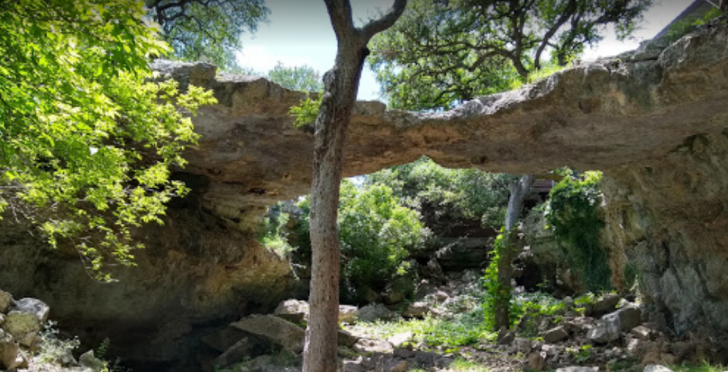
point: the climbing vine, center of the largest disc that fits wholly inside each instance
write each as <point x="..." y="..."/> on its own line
<point x="495" y="292"/>
<point x="572" y="213"/>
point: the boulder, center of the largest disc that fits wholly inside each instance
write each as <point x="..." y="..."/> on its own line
<point x="223" y="339"/>
<point x="537" y="361"/>
<point x="88" y="360"/>
<point x="293" y="310"/>
<point x="33" y="306"/>
<point x="611" y="325"/>
<point x="555" y="334"/>
<point x="417" y="310"/>
<point x="2" y="319"/>
<point x="374" y="312"/>
<point x="370" y="345"/>
<point x="603" y="305"/>
<point x="505" y="337"/>
<point x="400" y="338"/>
<point x="641" y="332"/>
<point x="656" y="368"/>
<point x="346" y="338"/>
<point x="274" y="329"/>
<point x="236" y="353"/>
<point x="22" y="326"/>
<point x="6" y="300"/>
<point x="347" y="313"/>
<point x="396" y="366"/>
<point x="9" y="352"/>
<point x="578" y="369"/>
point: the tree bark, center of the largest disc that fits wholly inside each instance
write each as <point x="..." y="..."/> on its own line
<point x="519" y="189"/>
<point x="340" y="88"/>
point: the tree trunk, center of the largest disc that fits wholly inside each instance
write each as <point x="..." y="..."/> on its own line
<point x="519" y="189"/>
<point x="341" y="84"/>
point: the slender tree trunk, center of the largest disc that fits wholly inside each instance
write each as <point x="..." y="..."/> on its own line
<point x="519" y="189"/>
<point x="340" y="88"/>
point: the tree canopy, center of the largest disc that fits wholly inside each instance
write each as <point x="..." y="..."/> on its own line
<point x="87" y="140"/>
<point x="443" y="52"/>
<point x="303" y="78"/>
<point x="207" y="30"/>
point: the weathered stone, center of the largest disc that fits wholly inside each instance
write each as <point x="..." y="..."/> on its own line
<point x="374" y="312"/>
<point x="555" y="334"/>
<point x="418" y="310"/>
<point x="369" y="345"/>
<point x="641" y="332"/>
<point x="2" y="319"/>
<point x="236" y="353"/>
<point x="655" y="127"/>
<point x="277" y="330"/>
<point x="537" y="361"/>
<point x="21" y="325"/>
<point x="608" y="328"/>
<point x="347" y="314"/>
<point x="578" y="369"/>
<point x="88" y="360"/>
<point x="396" y="366"/>
<point x="6" y="300"/>
<point x="354" y="366"/>
<point x="399" y="339"/>
<point x="293" y="310"/>
<point x="346" y="338"/>
<point x="505" y="337"/>
<point x="9" y="351"/>
<point x="403" y="353"/>
<point x="223" y="339"/>
<point x="603" y="305"/>
<point x="656" y="368"/>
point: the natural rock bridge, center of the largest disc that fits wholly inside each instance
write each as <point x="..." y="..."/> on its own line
<point x="654" y="120"/>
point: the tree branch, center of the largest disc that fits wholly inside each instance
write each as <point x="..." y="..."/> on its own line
<point x="386" y="21"/>
<point x="341" y="20"/>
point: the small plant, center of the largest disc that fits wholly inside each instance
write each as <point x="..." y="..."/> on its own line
<point x="305" y="113"/>
<point x="682" y="28"/>
<point x="583" y="354"/>
<point x="54" y="349"/>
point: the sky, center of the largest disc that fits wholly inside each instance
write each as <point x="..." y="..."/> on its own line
<point x="298" y="32"/>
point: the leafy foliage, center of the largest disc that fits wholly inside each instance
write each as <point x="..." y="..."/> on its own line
<point x="444" y="195"/>
<point x="683" y="27"/>
<point x="305" y="113"/>
<point x="495" y="292"/>
<point x="469" y="48"/>
<point x="303" y="78"/>
<point x="275" y="237"/>
<point x="573" y="214"/>
<point x="376" y="233"/>
<point x="86" y="139"/>
<point x="207" y="30"/>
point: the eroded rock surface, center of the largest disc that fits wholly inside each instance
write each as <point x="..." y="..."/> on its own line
<point x="654" y="122"/>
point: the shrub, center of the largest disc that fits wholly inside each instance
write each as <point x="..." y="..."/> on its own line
<point x="573" y="214"/>
<point x="376" y="233"/>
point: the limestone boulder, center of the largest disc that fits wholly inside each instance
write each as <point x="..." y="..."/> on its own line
<point x="9" y="354"/>
<point x="347" y="314"/>
<point x="24" y="327"/>
<point x="293" y="310"/>
<point x="6" y="300"/>
<point x="555" y="334"/>
<point x="610" y="326"/>
<point x="373" y="312"/>
<point x="274" y="329"/>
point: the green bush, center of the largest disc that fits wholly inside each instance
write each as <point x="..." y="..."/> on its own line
<point x="376" y="234"/>
<point x="445" y="196"/>
<point x="573" y="214"/>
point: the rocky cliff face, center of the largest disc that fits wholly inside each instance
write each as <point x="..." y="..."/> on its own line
<point x="653" y="120"/>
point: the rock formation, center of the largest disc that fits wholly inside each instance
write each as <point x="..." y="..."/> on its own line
<point x="653" y="120"/>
